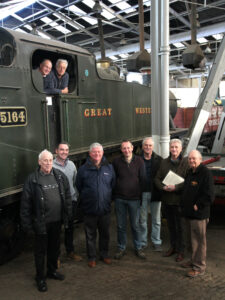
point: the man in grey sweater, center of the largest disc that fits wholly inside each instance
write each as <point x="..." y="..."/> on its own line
<point x="65" y="165"/>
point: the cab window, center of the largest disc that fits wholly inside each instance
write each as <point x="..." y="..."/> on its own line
<point x="7" y="50"/>
<point x="40" y="55"/>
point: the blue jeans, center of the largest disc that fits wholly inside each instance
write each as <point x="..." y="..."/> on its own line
<point x="155" y="208"/>
<point x="132" y="207"/>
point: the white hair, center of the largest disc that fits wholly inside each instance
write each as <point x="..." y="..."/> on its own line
<point x="94" y="145"/>
<point x="176" y="141"/>
<point x="61" y="61"/>
<point x="197" y="152"/>
<point x="44" y="152"/>
<point x="147" y="138"/>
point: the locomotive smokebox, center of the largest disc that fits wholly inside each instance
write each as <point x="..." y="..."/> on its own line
<point x="193" y="57"/>
<point x="138" y="60"/>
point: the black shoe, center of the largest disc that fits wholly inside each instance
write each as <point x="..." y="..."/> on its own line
<point x="41" y="285"/>
<point x="170" y="252"/>
<point x="120" y="254"/>
<point x="56" y="276"/>
<point x="140" y="254"/>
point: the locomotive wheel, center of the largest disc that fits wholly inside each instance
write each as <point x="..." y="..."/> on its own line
<point x="11" y="239"/>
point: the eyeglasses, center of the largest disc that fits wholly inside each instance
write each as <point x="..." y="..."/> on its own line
<point x="46" y="161"/>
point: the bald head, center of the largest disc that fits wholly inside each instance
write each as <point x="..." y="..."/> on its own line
<point x="194" y="159"/>
<point x="45" y="67"/>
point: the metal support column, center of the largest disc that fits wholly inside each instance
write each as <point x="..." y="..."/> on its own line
<point x="155" y="87"/>
<point x="164" y="78"/>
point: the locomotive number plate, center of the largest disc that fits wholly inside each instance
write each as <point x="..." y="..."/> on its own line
<point x="13" y="116"/>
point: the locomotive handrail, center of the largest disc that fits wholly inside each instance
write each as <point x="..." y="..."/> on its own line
<point x="10" y="87"/>
<point x="65" y="118"/>
<point x="46" y="123"/>
<point x="88" y="102"/>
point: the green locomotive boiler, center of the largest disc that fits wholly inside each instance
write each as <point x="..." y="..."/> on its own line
<point x="98" y="108"/>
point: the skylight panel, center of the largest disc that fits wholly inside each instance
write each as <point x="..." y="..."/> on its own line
<point x="55" y="25"/>
<point x="7" y="11"/>
<point x="218" y="36"/>
<point x="17" y="17"/>
<point x="113" y="57"/>
<point x="28" y="27"/>
<point x="147" y="3"/>
<point x="178" y="45"/>
<point x="76" y="10"/>
<point x="62" y="29"/>
<point x="72" y="23"/>
<point x="123" y="6"/>
<point x="124" y="55"/>
<point x="20" y="30"/>
<point x="104" y="12"/>
<point x="91" y="21"/>
<point x="43" y="35"/>
<point x="107" y="14"/>
<point x="202" y="40"/>
<point x="79" y="12"/>
<point x="46" y="20"/>
<point x="89" y="3"/>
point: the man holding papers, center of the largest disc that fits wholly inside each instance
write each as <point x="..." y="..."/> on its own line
<point x="169" y="179"/>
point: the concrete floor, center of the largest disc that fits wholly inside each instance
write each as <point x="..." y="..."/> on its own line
<point x="129" y="278"/>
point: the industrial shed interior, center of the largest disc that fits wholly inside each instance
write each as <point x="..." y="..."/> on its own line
<point x="172" y="54"/>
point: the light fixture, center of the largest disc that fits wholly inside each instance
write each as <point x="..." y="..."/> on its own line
<point x="123" y="41"/>
<point x="97" y="7"/>
<point x="208" y="49"/>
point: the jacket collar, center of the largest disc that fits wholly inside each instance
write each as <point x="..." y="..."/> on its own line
<point x="90" y="165"/>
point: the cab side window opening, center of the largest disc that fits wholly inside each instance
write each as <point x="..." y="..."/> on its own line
<point x="7" y="50"/>
<point x="40" y="55"/>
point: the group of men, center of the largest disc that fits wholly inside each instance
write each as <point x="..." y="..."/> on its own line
<point x="55" y="81"/>
<point x="135" y="183"/>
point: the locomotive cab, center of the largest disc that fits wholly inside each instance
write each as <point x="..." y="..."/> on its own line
<point x="39" y="55"/>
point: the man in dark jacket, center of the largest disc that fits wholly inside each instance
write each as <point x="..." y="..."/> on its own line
<point x="45" y="204"/>
<point x="95" y="181"/>
<point x="130" y="179"/>
<point x="150" y="197"/>
<point x="171" y="196"/>
<point x="198" y="195"/>
<point x="58" y="80"/>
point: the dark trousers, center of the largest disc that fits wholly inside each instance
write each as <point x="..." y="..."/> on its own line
<point x="175" y="226"/>
<point x="91" y="225"/>
<point x="68" y="237"/>
<point x="47" y="244"/>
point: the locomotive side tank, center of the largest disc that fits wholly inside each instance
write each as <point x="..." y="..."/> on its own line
<point x="95" y="109"/>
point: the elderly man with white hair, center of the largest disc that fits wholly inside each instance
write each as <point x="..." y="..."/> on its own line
<point x="45" y="205"/>
<point x="198" y="195"/>
<point x="95" y="181"/>
<point x="171" y="195"/>
<point x="58" y="80"/>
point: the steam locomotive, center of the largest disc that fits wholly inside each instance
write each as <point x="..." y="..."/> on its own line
<point x="99" y="107"/>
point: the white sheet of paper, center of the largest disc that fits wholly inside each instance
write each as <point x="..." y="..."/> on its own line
<point x="172" y="179"/>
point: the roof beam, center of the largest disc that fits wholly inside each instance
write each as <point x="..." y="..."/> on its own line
<point x="122" y="19"/>
<point x="61" y="16"/>
<point x="182" y="19"/>
<point x="185" y="36"/>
